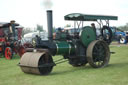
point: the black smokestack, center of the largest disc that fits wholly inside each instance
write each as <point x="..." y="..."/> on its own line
<point x="50" y="25"/>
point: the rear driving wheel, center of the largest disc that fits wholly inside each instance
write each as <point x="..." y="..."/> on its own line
<point x="8" y="53"/>
<point x="98" y="53"/>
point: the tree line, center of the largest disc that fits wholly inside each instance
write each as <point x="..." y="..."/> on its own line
<point x="40" y="28"/>
<point x="28" y="30"/>
<point x="123" y="28"/>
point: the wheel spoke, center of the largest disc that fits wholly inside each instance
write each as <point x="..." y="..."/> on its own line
<point x="99" y="63"/>
<point x="8" y="53"/>
<point x="95" y="54"/>
<point x="96" y="48"/>
<point x="95" y="59"/>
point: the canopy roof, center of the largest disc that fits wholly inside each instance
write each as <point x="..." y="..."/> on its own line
<point x="87" y="17"/>
<point x="6" y="24"/>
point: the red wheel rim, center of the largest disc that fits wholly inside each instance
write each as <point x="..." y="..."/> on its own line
<point x="8" y="53"/>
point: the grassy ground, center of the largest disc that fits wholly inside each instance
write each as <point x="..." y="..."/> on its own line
<point x="116" y="73"/>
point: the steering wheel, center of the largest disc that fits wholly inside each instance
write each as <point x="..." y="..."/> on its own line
<point x="106" y="33"/>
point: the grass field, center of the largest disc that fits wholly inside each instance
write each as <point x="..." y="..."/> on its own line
<point x="116" y="73"/>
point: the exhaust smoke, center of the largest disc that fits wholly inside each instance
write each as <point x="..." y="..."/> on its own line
<point x="47" y="4"/>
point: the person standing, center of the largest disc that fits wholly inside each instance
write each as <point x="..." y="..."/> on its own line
<point x="94" y="27"/>
<point x="126" y="37"/>
<point x="119" y="37"/>
<point x="12" y="28"/>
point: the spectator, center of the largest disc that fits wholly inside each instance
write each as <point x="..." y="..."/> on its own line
<point x="126" y="37"/>
<point x="12" y="28"/>
<point x="16" y="34"/>
<point x="119" y="37"/>
<point x="58" y="33"/>
<point x="93" y="26"/>
<point x="38" y="39"/>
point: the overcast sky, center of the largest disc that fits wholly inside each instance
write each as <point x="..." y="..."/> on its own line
<point x="31" y="12"/>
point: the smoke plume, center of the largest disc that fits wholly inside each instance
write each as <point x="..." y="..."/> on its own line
<point x="47" y="4"/>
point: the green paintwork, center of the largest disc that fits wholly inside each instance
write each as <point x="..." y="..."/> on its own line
<point x="64" y="47"/>
<point x="61" y="36"/>
<point x="87" y="17"/>
<point x="87" y="35"/>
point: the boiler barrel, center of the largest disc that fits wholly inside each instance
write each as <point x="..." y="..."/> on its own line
<point x="63" y="48"/>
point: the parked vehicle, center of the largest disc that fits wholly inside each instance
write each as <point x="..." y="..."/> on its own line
<point x="120" y="37"/>
<point x="10" y="39"/>
<point x="79" y="49"/>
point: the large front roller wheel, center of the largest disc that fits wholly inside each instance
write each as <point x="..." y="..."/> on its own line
<point x="36" y="63"/>
<point x="8" y="53"/>
<point x="98" y="53"/>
